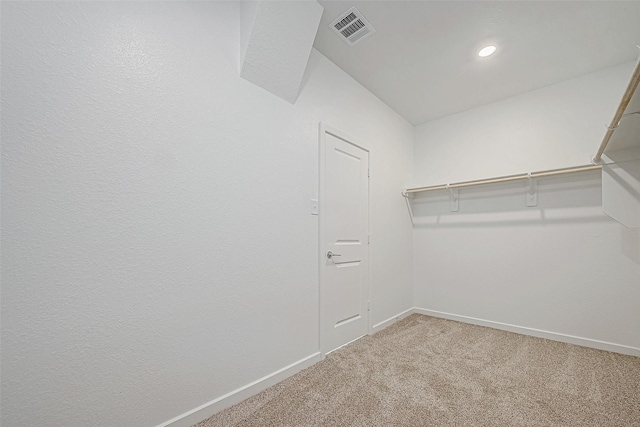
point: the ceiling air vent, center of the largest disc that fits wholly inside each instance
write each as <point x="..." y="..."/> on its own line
<point x="352" y="27"/>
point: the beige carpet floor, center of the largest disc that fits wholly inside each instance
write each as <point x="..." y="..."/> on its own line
<point x="425" y="371"/>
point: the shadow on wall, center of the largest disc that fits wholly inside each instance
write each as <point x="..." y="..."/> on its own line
<point x="630" y="243"/>
<point x="629" y="168"/>
<point x="563" y="199"/>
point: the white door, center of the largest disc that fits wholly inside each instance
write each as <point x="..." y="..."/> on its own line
<point x="344" y="228"/>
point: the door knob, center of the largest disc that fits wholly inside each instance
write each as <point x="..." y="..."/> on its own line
<point x="331" y="255"/>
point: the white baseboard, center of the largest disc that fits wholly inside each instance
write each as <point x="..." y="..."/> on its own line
<point x="390" y="321"/>
<point x="208" y="409"/>
<point x="554" y="336"/>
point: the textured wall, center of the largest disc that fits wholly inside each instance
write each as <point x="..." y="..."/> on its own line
<point x="562" y="266"/>
<point x="157" y="245"/>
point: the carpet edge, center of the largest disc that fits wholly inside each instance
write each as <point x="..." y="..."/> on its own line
<point x="390" y="321"/>
<point x="523" y="330"/>
<point x="203" y="412"/>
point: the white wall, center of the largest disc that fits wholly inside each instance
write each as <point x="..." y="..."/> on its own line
<point x="561" y="267"/>
<point x="334" y="98"/>
<point x="158" y="247"/>
<point x="554" y="127"/>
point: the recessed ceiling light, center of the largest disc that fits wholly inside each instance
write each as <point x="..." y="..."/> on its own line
<point x="486" y="51"/>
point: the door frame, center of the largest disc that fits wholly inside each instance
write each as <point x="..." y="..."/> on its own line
<point x="325" y="129"/>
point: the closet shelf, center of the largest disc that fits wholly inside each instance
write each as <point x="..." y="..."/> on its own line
<point x="508" y="178"/>
<point x="622" y="137"/>
<point x="624" y="131"/>
<point x="619" y="155"/>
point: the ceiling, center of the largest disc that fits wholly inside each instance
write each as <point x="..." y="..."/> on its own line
<point x="422" y="60"/>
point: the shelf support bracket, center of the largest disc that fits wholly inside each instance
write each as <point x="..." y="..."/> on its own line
<point x="407" y="198"/>
<point x="408" y="195"/>
<point x="532" y="191"/>
<point x="453" y="199"/>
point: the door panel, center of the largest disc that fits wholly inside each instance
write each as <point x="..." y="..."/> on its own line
<point x="345" y="284"/>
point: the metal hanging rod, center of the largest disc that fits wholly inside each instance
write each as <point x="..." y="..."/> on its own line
<point x="626" y="98"/>
<point x="504" y="179"/>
